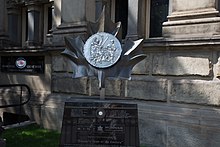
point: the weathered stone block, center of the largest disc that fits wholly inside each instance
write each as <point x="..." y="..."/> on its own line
<point x="191" y="136"/>
<point x="113" y="87"/>
<point x="193" y="28"/>
<point x="52" y="117"/>
<point x="183" y="5"/>
<point x="69" y="85"/>
<point x="178" y="125"/>
<point x="71" y="15"/>
<point x="164" y="65"/>
<point x="183" y="10"/>
<point x="196" y="91"/>
<point x="152" y="132"/>
<point x="216" y="69"/>
<point x="142" y="67"/>
<point x="52" y="111"/>
<point x="149" y="90"/>
<point x="61" y="63"/>
<point x="33" y="111"/>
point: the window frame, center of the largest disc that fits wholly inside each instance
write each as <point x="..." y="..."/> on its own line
<point x="24" y="26"/>
<point x="148" y="17"/>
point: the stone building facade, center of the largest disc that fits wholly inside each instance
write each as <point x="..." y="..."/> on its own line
<point x="176" y="87"/>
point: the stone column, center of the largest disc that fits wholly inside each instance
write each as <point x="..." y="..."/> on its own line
<point x="197" y="18"/>
<point x="132" y="30"/>
<point x="14" y="24"/>
<point x="33" y="23"/>
<point x="73" y="11"/>
<point x="57" y="13"/>
<point x="74" y="15"/>
<point x="3" y="14"/>
<point x="3" y="22"/>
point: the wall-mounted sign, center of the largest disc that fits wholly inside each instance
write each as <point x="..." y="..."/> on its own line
<point x="30" y="64"/>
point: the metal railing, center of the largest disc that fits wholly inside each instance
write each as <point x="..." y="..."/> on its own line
<point x="20" y="97"/>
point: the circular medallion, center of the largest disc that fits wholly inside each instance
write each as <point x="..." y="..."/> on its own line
<point x="102" y="50"/>
<point x="20" y="63"/>
<point x="100" y="113"/>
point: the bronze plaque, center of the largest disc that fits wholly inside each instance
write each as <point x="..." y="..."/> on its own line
<point x="99" y="124"/>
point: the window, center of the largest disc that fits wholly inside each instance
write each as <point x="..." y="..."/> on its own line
<point x="25" y="23"/>
<point x="158" y="15"/>
<point x="118" y="9"/>
<point x="121" y="14"/>
<point x="48" y="21"/>
<point x="14" y="23"/>
<point x="14" y="26"/>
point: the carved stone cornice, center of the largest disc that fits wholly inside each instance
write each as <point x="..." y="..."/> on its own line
<point x="31" y="2"/>
<point x="16" y="3"/>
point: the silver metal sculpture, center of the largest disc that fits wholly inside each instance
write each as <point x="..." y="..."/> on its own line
<point x="102" y="50"/>
<point x="103" y="55"/>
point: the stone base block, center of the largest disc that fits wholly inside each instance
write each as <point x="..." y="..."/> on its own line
<point x="178" y="125"/>
<point x="192" y="27"/>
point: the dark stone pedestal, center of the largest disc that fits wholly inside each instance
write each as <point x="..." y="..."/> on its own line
<point x="99" y="123"/>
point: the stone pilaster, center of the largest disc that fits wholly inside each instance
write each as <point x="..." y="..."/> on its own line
<point x="197" y="18"/>
<point x="3" y="24"/>
<point x="57" y="13"/>
<point x="133" y="7"/>
<point x="74" y="15"/>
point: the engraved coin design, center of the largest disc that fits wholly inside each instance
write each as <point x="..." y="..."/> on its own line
<point x="102" y="50"/>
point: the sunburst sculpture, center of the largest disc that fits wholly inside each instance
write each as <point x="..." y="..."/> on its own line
<point x="103" y="55"/>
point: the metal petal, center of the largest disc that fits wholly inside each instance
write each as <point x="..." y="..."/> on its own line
<point x="105" y="24"/>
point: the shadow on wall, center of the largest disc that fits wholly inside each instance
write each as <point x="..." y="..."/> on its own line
<point x="40" y="85"/>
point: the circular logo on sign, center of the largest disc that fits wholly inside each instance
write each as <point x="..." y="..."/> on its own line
<point x="20" y="63"/>
<point x="100" y="113"/>
<point x="102" y="50"/>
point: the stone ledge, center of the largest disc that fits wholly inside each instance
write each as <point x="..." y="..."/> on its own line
<point x="191" y="29"/>
<point x="196" y="92"/>
<point x="192" y="21"/>
<point x="165" y="42"/>
<point x="191" y="14"/>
